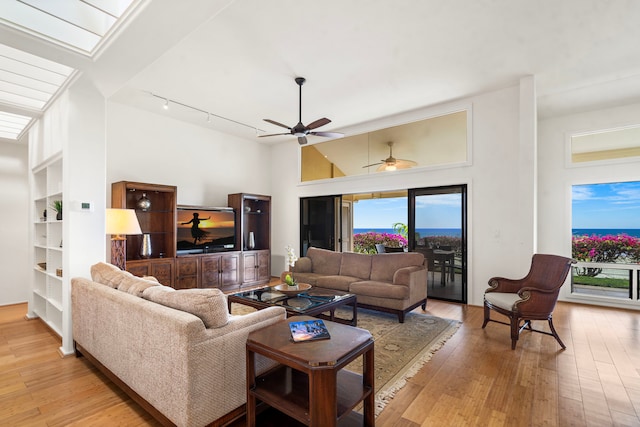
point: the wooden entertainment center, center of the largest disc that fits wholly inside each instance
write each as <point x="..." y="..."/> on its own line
<point x="248" y="263"/>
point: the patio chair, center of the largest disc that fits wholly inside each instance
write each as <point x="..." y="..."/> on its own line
<point x="530" y="298"/>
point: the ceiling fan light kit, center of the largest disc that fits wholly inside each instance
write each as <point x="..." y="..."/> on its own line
<point x="301" y="131"/>
<point x="391" y="164"/>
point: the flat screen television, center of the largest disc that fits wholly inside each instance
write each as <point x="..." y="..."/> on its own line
<point x="205" y="229"/>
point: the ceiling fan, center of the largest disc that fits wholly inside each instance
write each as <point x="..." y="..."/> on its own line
<point x="391" y="163"/>
<point x="300" y="130"/>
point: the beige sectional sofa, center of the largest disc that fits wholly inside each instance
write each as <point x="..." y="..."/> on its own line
<point x="180" y="354"/>
<point x="391" y="282"/>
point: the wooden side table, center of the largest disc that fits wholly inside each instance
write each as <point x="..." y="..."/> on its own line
<point x="309" y="383"/>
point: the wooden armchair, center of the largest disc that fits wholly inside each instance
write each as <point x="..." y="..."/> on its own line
<point x="530" y="298"/>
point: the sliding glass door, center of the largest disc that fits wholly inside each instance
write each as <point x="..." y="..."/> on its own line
<point x="320" y="223"/>
<point x="438" y="229"/>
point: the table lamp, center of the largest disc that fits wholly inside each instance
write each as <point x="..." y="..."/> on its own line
<point x="121" y="222"/>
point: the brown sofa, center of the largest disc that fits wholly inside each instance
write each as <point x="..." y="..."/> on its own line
<point x="390" y="282"/>
<point x="178" y="353"/>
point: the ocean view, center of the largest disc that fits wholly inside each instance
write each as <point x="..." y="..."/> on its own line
<point x="456" y="232"/>
<point x="633" y="232"/>
<point x="424" y="232"/>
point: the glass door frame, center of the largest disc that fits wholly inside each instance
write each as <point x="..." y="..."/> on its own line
<point x="423" y="191"/>
<point x="330" y="218"/>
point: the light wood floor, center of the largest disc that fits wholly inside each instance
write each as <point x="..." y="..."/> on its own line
<point x="475" y="379"/>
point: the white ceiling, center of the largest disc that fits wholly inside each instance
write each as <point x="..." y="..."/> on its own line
<point x="363" y="59"/>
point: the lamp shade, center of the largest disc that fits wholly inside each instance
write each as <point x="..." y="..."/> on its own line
<point x="122" y="221"/>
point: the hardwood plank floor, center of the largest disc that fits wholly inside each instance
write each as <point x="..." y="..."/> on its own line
<point x="474" y="380"/>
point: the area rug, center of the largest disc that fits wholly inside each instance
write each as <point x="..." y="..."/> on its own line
<point x="401" y="349"/>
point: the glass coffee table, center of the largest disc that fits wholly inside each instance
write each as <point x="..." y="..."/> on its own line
<point x="316" y="302"/>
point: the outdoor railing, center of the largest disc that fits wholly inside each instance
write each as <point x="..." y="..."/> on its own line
<point x="613" y="280"/>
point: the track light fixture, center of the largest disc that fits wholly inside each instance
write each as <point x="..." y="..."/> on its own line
<point x="209" y="114"/>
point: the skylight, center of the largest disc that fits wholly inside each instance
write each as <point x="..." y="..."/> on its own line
<point x="12" y="125"/>
<point x="28" y="83"/>
<point x="76" y="24"/>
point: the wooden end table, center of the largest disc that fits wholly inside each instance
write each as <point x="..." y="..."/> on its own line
<point x="309" y="383"/>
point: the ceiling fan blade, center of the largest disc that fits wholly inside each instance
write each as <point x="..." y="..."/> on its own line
<point x="405" y="164"/>
<point x="318" y="123"/>
<point x="273" y="122"/>
<point x="398" y="164"/>
<point x="302" y="140"/>
<point x="373" y="164"/>
<point x="328" y="134"/>
<point x="274" y="134"/>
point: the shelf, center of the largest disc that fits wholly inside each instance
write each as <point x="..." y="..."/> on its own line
<point x="55" y="304"/>
<point x="288" y="390"/>
<point x="47" y="288"/>
<point x="159" y="221"/>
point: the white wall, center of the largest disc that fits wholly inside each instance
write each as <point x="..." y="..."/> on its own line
<point x="204" y="164"/>
<point x="75" y="126"/>
<point x="501" y="240"/>
<point x="14" y="226"/>
<point x="556" y="179"/>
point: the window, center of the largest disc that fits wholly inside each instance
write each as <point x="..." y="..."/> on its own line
<point x="606" y="239"/>
<point x="612" y="144"/>
<point x="435" y="141"/>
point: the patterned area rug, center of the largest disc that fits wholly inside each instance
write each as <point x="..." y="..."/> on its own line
<point x="401" y="349"/>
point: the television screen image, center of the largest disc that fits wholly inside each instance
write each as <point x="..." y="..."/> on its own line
<point x="205" y="229"/>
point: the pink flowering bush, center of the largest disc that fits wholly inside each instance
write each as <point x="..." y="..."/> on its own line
<point x="610" y="249"/>
<point x="365" y="243"/>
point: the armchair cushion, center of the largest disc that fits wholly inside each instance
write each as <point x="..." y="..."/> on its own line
<point x="503" y="300"/>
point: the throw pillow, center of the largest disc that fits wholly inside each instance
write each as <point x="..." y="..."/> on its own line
<point x="147" y="293"/>
<point x="210" y="305"/>
<point x="108" y="274"/>
<point x="136" y="285"/>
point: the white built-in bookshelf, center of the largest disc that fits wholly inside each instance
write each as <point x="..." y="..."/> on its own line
<point x="48" y="273"/>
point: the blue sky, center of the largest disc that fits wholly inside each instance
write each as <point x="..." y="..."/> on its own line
<point x="436" y="211"/>
<point x="614" y="205"/>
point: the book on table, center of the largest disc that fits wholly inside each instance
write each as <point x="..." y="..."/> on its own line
<point x="308" y="330"/>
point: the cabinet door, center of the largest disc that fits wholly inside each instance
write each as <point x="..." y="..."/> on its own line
<point x="256" y="267"/>
<point x="210" y="271"/>
<point x="229" y="269"/>
<point x="186" y="273"/>
<point x="264" y="266"/>
<point x="163" y="271"/>
<point x="250" y="267"/>
<point x="139" y="268"/>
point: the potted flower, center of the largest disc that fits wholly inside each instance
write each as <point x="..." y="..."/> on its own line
<point x="291" y="261"/>
<point x="57" y="206"/>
